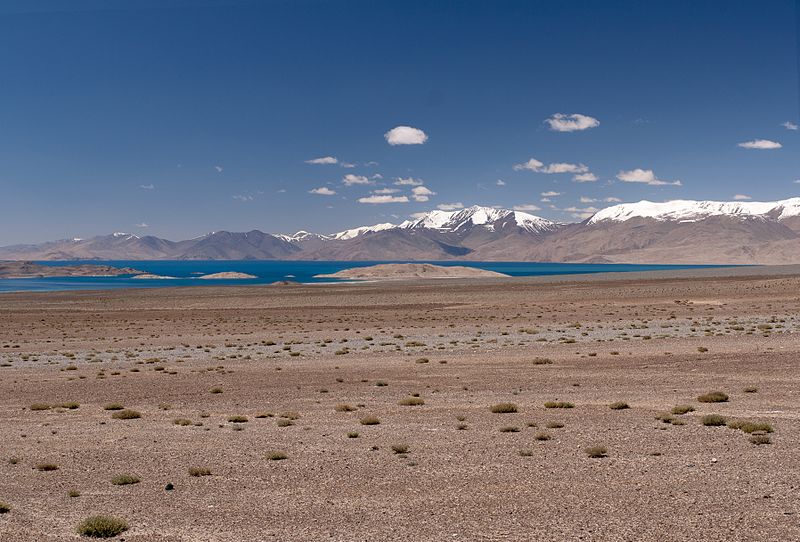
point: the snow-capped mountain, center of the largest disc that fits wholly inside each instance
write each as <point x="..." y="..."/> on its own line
<point x="692" y="211"/>
<point x="478" y="216"/>
<point x="457" y="221"/>
<point x="301" y="236"/>
<point x="681" y="231"/>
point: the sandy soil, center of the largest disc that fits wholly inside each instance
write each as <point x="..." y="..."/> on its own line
<point x="463" y="346"/>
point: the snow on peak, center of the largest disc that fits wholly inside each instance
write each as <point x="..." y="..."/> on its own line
<point x="453" y="221"/>
<point x="355" y="232"/>
<point x="476" y="216"/>
<point x="691" y="211"/>
<point x="299" y="236"/>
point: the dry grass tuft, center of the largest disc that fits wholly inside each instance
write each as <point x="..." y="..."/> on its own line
<point x="504" y="408"/>
<point x="713" y="397"/>
<point x="596" y="451"/>
<point x="102" y="527"/>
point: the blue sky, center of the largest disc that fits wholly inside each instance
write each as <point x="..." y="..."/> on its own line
<point x="178" y="118"/>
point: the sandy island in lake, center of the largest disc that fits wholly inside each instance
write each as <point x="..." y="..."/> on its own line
<point x="406" y="271"/>
<point x="547" y="408"/>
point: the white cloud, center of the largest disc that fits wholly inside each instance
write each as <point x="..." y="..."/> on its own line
<point x="386" y="191"/>
<point x="612" y="200"/>
<point x="418" y="215"/>
<point x="405" y="135"/>
<point x="347" y="165"/>
<point x="350" y="180"/>
<point x="571" y="123"/>
<point x="500" y="182"/>
<point x="421" y="193"/>
<point x="323" y="160"/>
<point x="450" y="206"/>
<point x="241" y="197"/>
<point x="322" y="191"/>
<point x="561" y="167"/>
<point x="741" y="197"/>
<point x="281" y="191"/>
<point x="526" y="207"/>
<point x="377" y="176"/>
<point x="218" y="168"/>
<point x="644" y="176"/>
<point x="408" y="182"/>
<point x="545" y="200"/>
<point x="584" y="199"/>
<point x="789" y="125"/>
<point x="550" y="194"/>
<point x="558" y="167"/>
<point x="533" y="165"/>
<point x="761" y="144"/>
<point x="383" y="199"/>
<point x="143" y="225"/>
<point x="585" y="178"/>
<point x="150" y="186"/>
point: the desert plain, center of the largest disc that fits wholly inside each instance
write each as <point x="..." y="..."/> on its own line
<point x="408" y="410"/>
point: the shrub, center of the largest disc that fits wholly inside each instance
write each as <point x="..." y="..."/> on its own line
<point x="713" y="420"/>
<point x="182" y="422"/>
<point x="215" y="390"/>
<point x="283" y="422"/>
<point x="46" y="467"/>
<point x="542" y="361"/>
<point x="713" y="397"/>
<point x="558" y="404"/>
<point x="750" y="389"/>
<point x="369" y="420"/>
<point x="400" y="448"/>
<point x="276" y="455"/>
<point x="4" y="508"/>
<point x="344" y="408"/>
<point x="72" y="493"/>
<point x="381" y="383"/>
<point x="760" y="439"/>
<point x="113" y="406"/>
<point x="554" y="425"/>
<point x="352" y="434"/>
<point x="665" y="417"/>
<point x="125" y="480"/>
<point x="237" y="419"/>
<point x="542" y="436"/>
<point x="596" y="451"/>
<point x="412" y="401"/>
<point x="40" y="406"/>
<point x="102" y="527"/>
<point x="509" y="429"/>
<point x="199" y="471"/>
<point x="750" y="427"/>
<point x="526" y="453"/>
<point x="619" y="405"/>
<point x="682" y="409"/>
<point x="70" y="405"/>
<point x="504" y="408"/>
<point x="126" y="414"/>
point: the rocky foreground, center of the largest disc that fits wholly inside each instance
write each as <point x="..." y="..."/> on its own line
<point x="560" y="408"/>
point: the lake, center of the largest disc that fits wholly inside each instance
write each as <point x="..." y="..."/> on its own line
<point x="185" y="272"/>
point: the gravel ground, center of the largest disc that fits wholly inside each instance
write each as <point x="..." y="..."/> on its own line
<point x="293" y="353"/>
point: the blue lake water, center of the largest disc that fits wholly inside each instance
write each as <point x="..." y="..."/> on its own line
<point x="185" y="272"/>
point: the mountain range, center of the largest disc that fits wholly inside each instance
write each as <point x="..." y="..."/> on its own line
<point x="680" y="231"/>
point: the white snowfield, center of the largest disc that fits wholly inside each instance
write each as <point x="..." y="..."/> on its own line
<point x="692" y="211"/>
